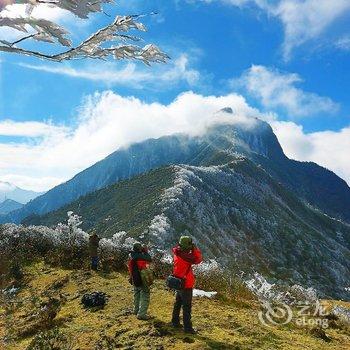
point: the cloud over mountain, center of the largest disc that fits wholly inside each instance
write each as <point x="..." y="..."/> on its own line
<point x="43" y="155"/>
<point x="106" y="121"/>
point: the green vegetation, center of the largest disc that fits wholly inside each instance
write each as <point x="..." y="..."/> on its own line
<point x="129" y="205"/>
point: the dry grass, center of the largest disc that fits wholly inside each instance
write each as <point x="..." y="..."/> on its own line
<point x="221" y="325"/>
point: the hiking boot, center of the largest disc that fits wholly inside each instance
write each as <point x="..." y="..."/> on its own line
<point x="175" y="325"/>
<point x="144" y="318"/>
<point x="191" y="331"/>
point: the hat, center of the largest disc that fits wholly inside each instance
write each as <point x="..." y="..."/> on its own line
<point x="185" y="243"/>
<point x="137" y="247"/>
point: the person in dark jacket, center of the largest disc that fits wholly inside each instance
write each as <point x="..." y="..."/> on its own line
<point x="185" y="254"/>
<point x="139" y="260"/>
<point x="94" y="241"/>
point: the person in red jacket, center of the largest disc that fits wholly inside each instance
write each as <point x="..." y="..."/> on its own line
<point x="185" y="255"/>
<point x="139" y="260"/>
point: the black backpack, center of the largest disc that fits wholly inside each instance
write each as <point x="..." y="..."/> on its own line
<point x="135" y="279"/>
<point x="95" y="299"/>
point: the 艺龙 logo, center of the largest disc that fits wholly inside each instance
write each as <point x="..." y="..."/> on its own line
<point x="306" y="314"/>
<point x="275" y="314"/>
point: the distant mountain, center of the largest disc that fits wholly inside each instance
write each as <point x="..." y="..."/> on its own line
<point x="10" y="191"/>
<point x="219" y="145"/>
<point x="9" y="205"/>
<point x="238" y="214"/>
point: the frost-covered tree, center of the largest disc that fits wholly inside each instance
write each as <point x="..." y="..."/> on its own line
<point x="114" y="40"/>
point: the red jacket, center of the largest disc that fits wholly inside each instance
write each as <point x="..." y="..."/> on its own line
<point x="141" y="265"/>
<point x="183" y="262"/>
<point x="137" y="262"/>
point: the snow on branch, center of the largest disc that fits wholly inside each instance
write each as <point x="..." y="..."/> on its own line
<point x="110" y="41"/>
<point x="80" y="8"/>
<point x="45" y="30"/>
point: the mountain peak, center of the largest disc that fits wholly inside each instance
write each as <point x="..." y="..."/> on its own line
<point x="11" y="191"/>
<point x="247" y="136"/>
<point x="9" y="205"/>
<point x="6" y="186"/>
<point x="227" y="110"/>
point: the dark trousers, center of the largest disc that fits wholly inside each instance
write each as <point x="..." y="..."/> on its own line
<point x="94" y="263"/>
<point x="184" y="300"/>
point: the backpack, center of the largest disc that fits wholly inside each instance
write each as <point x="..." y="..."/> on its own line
<point x="95" y="299"/>
<point x="147" y="277"/>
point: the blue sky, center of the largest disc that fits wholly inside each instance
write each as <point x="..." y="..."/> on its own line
<point x="287" y="59"/>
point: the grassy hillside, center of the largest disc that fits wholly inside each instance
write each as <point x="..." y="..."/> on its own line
<point x="235" y="325"/>
<point x="129" y="205"/>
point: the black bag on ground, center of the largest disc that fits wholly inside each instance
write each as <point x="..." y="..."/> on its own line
<point x="95" y="299"/>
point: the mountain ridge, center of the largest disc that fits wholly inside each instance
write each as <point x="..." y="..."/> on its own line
<point x="9" y="205"/>
<point x="220" y="144"/>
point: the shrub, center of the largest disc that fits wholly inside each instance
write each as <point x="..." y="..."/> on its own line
<point x="114" y="251"/>
<point x="66" y="246"/>
<point x="229" y="285"/>
<point x="271" y="292"/>
<point x="162" y="264"/>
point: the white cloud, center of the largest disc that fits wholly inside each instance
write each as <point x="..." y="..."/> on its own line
<point x="327" y="148"/>
<point x="277" y="90"/>
<point x="343" y="43"/>
<point x="303" y="20"/>
<point x="106" y="122"/>
<point x="137" y="76"/>
<point x="306" y="20"/>
<point x="29" y="129"/>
